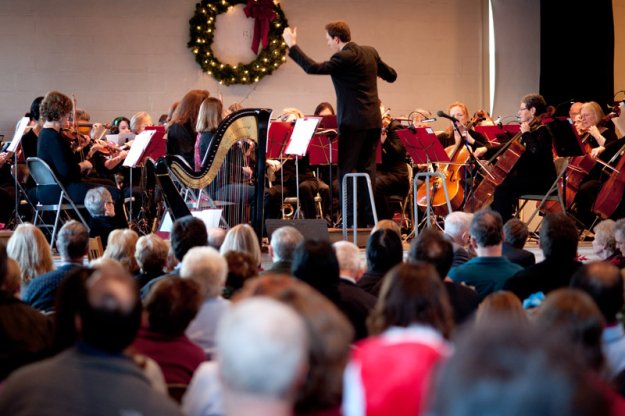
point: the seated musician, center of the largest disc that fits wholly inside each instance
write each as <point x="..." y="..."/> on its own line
<point x="181" y="133"/>
<point x="140" y="121"/>
<point x="285" y="182"/>
<point x="56" y="151"/>
<point x="452" y="137"/>
<point x="120" y="125"/>
<point x="605" y="145"/>
<point x="534" y="172"/>
<point x="391" y="176"/>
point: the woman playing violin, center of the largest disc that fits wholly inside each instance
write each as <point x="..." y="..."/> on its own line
<point x="534" y="172"/>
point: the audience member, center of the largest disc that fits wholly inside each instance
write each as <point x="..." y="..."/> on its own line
<point x="241" y="267"/>
<point x="604" y="283"/>
<point x="121" y="247"/>
<point x="387" y="224"/>
<point x="101" y="208"/>
<point x="73" y="245"/>
<point x="263" y="380"/>
<point x="515" y="235"/>
<point x="384" y="250"/>
<point x="283" y="242"/>
<point x="242" y="238"/>
<point x="604" y="244"/>
<point x="315" y="263"/>
<point x="501" y="305"/>
<point x="216" y="237"/>
<point x="151" y="256"/>
<point x="206" y="267"/>
<point x="30" y="249"/>
<point x="619" y="235"/>
<point x="409" y="325"/>
<point x="350" y="265"/>
<point x="558" y="241"/>
<point x="94" y="375"/>
<point x="489" y="270"/>
<point x="169" y="308"/>
<point x="25" y="334"/>
<point x="499" y="367"/>
<point x="431" y="246"/>
<point x="187" y="232"/>
<point x="457" y="226"/>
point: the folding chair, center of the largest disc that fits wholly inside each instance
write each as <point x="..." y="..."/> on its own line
<point x="44" y="176"/>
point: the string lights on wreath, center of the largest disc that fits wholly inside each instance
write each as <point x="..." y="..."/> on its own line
<point x="270" y="22"/>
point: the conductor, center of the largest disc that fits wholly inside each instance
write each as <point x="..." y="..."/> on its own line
<point x="354" y="70"/>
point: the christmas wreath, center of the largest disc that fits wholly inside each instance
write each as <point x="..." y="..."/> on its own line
<point x="269" y="24"/>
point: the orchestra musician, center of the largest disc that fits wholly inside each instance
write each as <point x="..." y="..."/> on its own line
<point x="455" y="137"/>
<point x="120" y="125"/>
<point x="181" y="133"/>
<point x="534" y="172"/>
<point x="209" y="117"/>
<point x="140" y="121"/>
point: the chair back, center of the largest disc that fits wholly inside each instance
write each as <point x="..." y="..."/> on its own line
<point x="41" y="172"/>
<point x="96" y="250"/>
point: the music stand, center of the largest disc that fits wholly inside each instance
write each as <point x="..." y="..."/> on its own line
<point x="424" y="147"/>
<point x="277" y="139"/>
<point x="20" y="128"/>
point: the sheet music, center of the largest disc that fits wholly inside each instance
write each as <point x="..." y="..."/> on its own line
<point x="302" y="133"/>
<point x="619" y="121"/>
<point x="142" y="140"/>
<point x="210" y="217"/>
<point x="19" y="132"/>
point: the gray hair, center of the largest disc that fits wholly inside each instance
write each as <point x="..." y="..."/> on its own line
<point x="208" y="268"/>
<point x="151" y="253"/>
<point x="283" y="242"/>
<point x="457" y="223"/>
<point x="348" y="256"/>
<point x="96" y="199"/>
<point x="279" y="354"/>
<point x="73" y="240"/>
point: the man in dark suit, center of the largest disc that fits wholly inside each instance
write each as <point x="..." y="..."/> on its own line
<point x="354" y="70"/>
<point x="73" y="244"/>
<point x="515" y="235"/>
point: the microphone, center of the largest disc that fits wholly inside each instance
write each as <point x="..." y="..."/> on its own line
<point x="447" y="116"/>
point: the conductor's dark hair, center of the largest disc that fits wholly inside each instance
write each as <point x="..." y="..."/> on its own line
<point x="432" y="247"/>
<point x="487" y="228"/>
<point x="384" y="250"/>
<point x="339" y="29"/>
<point x="188" y="232"/>
<point x="558" y="237"/>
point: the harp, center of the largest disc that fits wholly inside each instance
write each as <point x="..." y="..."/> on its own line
<point x="242" y="135"/>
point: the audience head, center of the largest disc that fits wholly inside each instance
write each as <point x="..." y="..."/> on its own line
<point x="515" y="233"/>
<point x="151" y="253"/>
<point x="284" y="240"/>
<point x="348" y="255"/>
<point x="457" y="226"/>
<point x="573" y="315"/>
<point x="73" y="241"/>
<point x="140" y="121"/>
<point x="503" y="366"/>
<point x="501" y="305"/>
<point x="329" y="332"/>
<point x="187" y="110"/>
<point x="29" y="247"/>
<point x="99" y="202"/>
<point x="324" y="109"/>
<point x="384" y="250"/>
<point x="558" y="237"/>
<point x="619" y="235"/>
<point x="207" y="268"/>
<point x="187" y="232"/>
<point x="241" y="267"/>
<point x="121" y="246"/>
<point x="210" y="115"/>
<point x="604" y="283"/>
<point x="412" y="294"/>
<point x="242" y="238"/>
<point x="171" y="305"/>
<point x="315" y="263"/>
<point x="68" y="302"/>
<point x="433" y="248"/>
<point x="111" y="313"/>
<point x="387" y="225"/>
<point x="487" y="228"/>
<point x="216" y="237"/>
<point x="274" y="368"/>
<point x="604" y="244"/>
<point x="55" y="107"/>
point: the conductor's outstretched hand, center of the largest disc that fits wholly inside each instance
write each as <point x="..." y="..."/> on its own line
<point x="290" y="36"/>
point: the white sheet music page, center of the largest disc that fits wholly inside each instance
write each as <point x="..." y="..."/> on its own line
<point x="19" y="132"/>
<point x="302" y="133"/>
<point x="138" y="148"/>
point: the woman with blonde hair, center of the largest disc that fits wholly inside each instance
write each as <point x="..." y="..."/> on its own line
<point x="209" y="117"/>
<point x="140" y="121"/>
<point x="29" y="247"/>
<point x="121" y="247"/>
<point x="242" y="238"/>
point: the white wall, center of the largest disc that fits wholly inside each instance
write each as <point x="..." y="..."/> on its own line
<point x="123" y="56"/>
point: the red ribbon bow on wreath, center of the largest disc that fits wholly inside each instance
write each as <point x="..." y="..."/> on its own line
<point x="262" y="11"/>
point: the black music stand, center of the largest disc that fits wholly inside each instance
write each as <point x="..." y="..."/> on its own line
<point x="424" y="148"/>
<point x="566" y="143"/>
